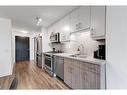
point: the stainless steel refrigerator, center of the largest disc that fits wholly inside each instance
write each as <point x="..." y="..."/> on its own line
<point x="38" y="51"/>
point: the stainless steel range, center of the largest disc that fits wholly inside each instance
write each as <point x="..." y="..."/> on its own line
<point x="49" y="62"/>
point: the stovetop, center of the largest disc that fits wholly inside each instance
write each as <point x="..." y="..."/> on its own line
<point x="52" y="52"/>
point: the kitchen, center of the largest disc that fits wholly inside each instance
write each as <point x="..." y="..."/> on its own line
<point x="75" y="41"/>
<point x="73" y="49"/>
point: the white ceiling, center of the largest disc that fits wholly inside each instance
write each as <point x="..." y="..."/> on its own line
<point x="24" y="17"/>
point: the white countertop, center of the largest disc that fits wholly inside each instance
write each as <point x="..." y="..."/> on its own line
<point x="87" y="59"/>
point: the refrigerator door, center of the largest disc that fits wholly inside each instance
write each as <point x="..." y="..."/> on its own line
<point x="39" y="44"/>
<point x="35" y="49"/>
<point x="39" y="61"/>
<point x="38" y="51"/>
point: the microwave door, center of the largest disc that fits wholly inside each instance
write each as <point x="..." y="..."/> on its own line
<point x="56" y="38"/>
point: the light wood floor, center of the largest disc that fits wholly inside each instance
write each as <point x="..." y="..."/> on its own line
<point x="31" y="77"/>
<point x="6" y="81"/>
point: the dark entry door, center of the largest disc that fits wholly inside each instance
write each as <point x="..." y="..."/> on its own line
<point x="22" y="48"/>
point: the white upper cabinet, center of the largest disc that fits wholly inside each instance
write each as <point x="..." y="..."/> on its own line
<point x="98" y="17"/>
<point x="74" y="20"/>
<point x="65" y="28"/>
<point x="84" y="17"/>
<point x="80" y="19"/>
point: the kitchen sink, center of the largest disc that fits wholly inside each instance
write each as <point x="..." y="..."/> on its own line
<point x="78" y="56"/>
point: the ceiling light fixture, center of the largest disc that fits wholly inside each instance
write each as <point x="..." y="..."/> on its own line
<point x="38" y="21"/>
<point x="24" y="32"/>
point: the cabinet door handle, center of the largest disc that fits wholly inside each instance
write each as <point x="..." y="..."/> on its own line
<point x="92" y="31"/>
<point x="76" y="26"/>
<point x="80" y="25"/>
<point x="70" y="70"/>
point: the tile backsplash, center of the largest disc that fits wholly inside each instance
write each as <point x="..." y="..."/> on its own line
<point x="77" y="40"/>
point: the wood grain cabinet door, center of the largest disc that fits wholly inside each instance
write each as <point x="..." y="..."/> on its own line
<point x="83" y="76"/>
<point x="89" y="76"/>
<point x="76" y="75"/>
<point x="93" y="76"/>
<point x="67" y="72"/>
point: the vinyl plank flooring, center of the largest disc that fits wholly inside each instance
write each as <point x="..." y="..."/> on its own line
<point x="29" y="76"/>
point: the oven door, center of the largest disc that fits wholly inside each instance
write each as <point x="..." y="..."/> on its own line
<point x="48" y="62"/>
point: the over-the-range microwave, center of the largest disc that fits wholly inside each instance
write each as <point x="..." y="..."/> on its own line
<point x="55" y="37"/>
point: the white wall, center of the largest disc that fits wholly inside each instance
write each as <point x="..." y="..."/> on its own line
<point x="45" y="43"/>
<point x="31" y="36"/>
<point x="116" y="47"/>
<point x="45" y="40"/>
<point x="5" y="47"/>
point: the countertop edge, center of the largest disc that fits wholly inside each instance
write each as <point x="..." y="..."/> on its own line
<point x="88" y="60"/>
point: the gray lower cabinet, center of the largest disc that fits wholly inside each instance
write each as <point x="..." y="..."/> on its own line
<point x="59" y="66"/>
<point x="81" y="75"/>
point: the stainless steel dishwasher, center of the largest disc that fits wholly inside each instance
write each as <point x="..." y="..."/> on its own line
<point x="59" y="66"/>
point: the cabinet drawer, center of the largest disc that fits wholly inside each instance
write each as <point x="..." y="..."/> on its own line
<point x="91" y="67"/>
<point x="66" y="60"/>
<point x="94" y="68"/>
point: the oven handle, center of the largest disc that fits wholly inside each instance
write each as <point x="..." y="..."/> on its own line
<point x="47" y="57"/>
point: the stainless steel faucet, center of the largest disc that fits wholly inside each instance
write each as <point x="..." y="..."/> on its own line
<point x="81" y="47"/>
